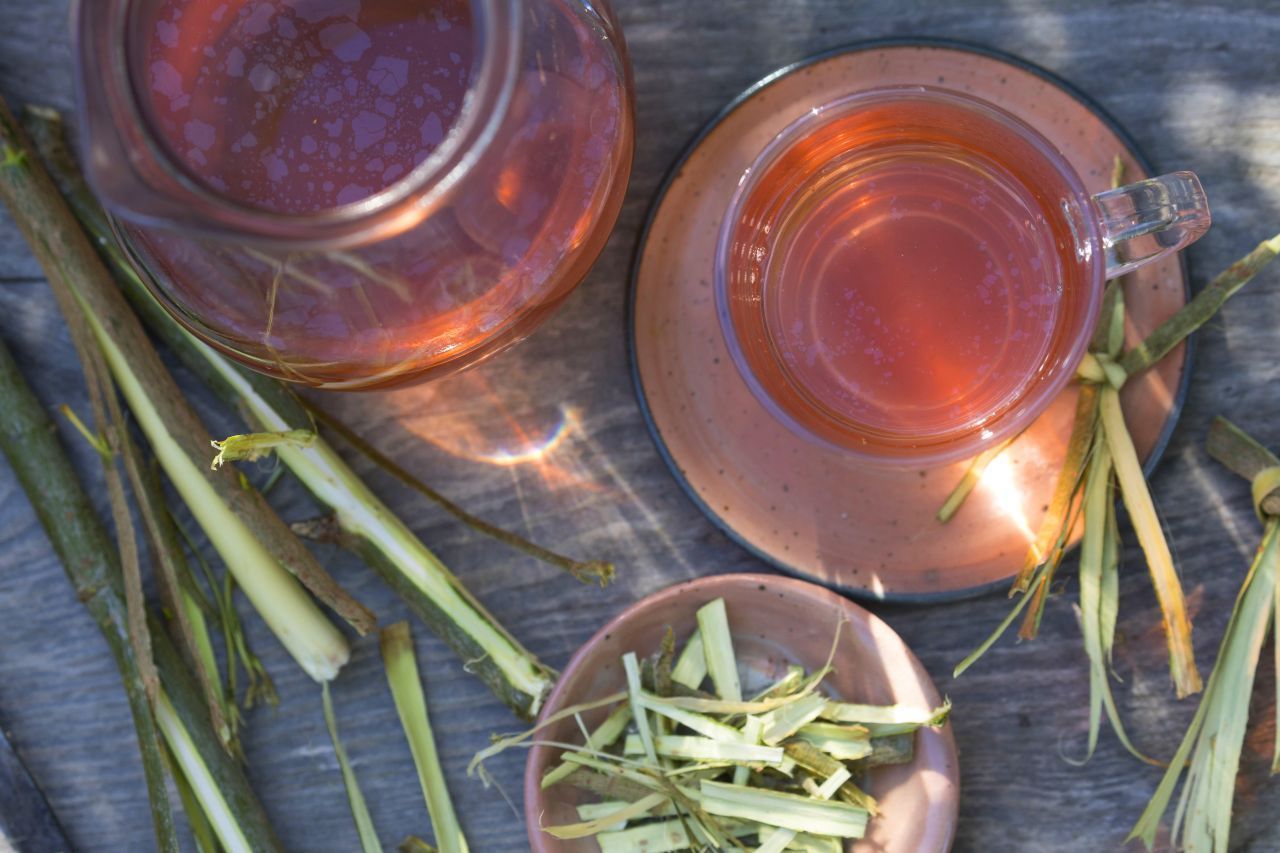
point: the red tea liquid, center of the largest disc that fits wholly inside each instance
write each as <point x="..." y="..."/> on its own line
<point x="297" y="106"/>
<point x="301" y="106"/>
<point x="902" y="274"/>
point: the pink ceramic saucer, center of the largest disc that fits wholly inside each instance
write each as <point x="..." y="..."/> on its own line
<point x="777" y="621"/>
<point x="812" y="511"/>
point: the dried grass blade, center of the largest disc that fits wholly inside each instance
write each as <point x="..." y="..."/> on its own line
<point x="1142" y="512"/>
<point x="1054" y="530"/>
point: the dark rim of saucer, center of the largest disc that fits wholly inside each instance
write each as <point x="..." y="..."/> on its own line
<point x="1171" y="420"/>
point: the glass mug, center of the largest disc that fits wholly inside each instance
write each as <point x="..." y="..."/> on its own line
<point x="909" y="275"/>
<point x="355" y="193"/>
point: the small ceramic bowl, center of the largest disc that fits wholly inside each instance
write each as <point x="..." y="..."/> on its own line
<point x="776" y="622"/>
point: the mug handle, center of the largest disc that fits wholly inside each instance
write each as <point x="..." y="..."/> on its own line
<point x="1149" y="219"/>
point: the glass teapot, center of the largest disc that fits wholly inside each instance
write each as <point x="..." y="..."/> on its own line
<point x="353" y="194"/>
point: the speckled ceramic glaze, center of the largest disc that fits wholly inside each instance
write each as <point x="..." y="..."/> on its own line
<point x="776" y="622"/>
<point x="814" y="511"/>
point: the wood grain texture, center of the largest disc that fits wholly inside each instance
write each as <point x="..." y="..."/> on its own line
<point x="1196" y="85"/>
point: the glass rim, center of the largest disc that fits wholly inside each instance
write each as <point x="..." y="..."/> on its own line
<point x="927" y="449"/>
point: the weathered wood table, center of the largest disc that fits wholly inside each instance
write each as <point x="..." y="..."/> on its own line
<point x="1195" y="84"/>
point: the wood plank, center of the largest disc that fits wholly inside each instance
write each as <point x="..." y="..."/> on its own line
<point x="1196" y="86"/>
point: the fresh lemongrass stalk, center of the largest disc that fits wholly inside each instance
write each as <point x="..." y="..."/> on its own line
<point x="250" y="448"/>
<point x="705" y="749"/>
<point x="691" y="665"/>
<point x="788" y="811"/>
<point x="717" y="649"/>
<point x="590" y="571"/>
<point x="87" y="554"/>
<point x="359" y="809"/>
<point x="192" y="630"/>
<point x="605" y="736"/>
<point x="591" y="811"/>
<point x="216" y="778"/>
<point x="604" y="822"/>
<point x="1142" y="514"/>
<point x="784" y="722"/>
<point x="781" y="839"/>
<point x="1213" y="742"/>
<point x="406" y="689"/>
<point x="368" y="526"/>
<point x="251" y="538"/>
<point x="201" y="830"/>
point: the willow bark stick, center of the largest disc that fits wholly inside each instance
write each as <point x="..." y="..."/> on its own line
<point x="28" y="439"/>
<point x="220" y="499"/>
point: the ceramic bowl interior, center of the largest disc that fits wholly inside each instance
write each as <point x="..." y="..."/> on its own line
<point x="776" y="622"/>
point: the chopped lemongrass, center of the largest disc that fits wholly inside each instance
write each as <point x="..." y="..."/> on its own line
<point x="752" y="730"/>
<point x="604" y="822"/>
<point x="604" y="736"/>
<point x="777" y="808"/>
<point x="705" y="749"/>
<point x="784" y="722"/>
<point x="790" y="683"/>
<point x="717" y="649"/>
<point x="359" y="809"/>
<point x="700" y="723"/>
<point x="845" y="743"/>
<point x="411" y="705"/>
<point x="886" y="715"/>
<point x="890" y="749"/>
<point x="591" y="811"/>
<point x="691" y="665"/>
<point x="723" y="769"/>
<point x="660" y="837"/>
<point x="781" y="839"/>
<point x="801" y="842"/>
<point x="632" y="669"/>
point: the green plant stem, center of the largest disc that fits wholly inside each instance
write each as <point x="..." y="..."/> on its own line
<point x="406" y="689"/>
<point x="359" y="809"/>
<point x="1164" y="576"/>
<point x="1200" y="309"/>
<point x="1235" y="449"/>
<point x="29" y="442"/>
<point x="251" y="538"/>
<point x="591" y="571"/>
<point x="192" y="633"/>
<point x="367" y="525"/>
